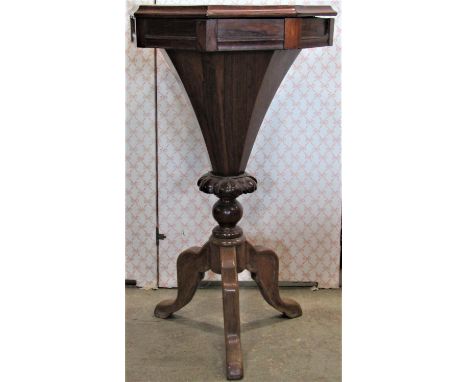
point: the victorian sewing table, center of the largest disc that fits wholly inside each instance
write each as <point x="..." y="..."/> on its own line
<point x="231" y="60"/>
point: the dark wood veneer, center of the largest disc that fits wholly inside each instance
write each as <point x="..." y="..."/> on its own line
<point x="230" y="93"/>
<point x="238" y="34"/>
<point x="196" y="28"/>
<point x="231" y="60"/>
<point x="235" y="11"/>
<point x="308" y="33"/>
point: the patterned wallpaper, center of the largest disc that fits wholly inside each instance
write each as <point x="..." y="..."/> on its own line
<point x="297" y="208"/>
<point x="140" y="217"/>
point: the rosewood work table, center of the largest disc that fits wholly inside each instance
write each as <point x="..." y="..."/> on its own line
<point x="231" y="60"/>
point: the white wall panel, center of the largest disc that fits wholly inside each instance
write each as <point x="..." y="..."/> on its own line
<point x="140" y="201"/>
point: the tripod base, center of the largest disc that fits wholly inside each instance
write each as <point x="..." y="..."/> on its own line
<point x="228" y="258"/>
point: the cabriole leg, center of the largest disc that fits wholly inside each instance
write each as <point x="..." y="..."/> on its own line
<point x="191" y="267"/>
<point x="263" y="264"/>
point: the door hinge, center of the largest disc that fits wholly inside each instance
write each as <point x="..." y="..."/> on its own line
<point x="159" y="236"/>
<point x="132" y="28"/>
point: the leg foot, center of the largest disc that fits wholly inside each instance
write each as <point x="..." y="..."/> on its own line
<point x="191" y="267"/>
<point x="230" y="285"/>
<point x="263" y="264"/>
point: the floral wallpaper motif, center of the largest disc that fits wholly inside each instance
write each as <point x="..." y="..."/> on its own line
<point x="296" y="210"/>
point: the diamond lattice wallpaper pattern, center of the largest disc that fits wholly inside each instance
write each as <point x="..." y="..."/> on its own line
<point x="140" y="247"/>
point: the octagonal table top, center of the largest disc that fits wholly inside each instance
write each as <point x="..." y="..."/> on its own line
<point x="212" y="28"/>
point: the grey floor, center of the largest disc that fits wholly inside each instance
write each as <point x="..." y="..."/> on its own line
<point x="190" y="346"/>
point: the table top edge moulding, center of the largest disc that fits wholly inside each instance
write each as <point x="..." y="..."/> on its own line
<point x="231" y="61"/>
<point x="223" y="28"/>
<point x="237" y="11"/>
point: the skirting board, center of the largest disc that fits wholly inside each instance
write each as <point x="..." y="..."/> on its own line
<point x="252" y="284"/>
<point x="242" y="284"/>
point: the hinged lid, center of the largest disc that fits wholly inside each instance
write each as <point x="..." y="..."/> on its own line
<point x="238" y="11"/>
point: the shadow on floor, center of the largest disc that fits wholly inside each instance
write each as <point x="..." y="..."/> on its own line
<point x="190" y="345"/>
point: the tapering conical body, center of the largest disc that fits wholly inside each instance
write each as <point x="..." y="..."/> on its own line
<point x="230" y="93"/>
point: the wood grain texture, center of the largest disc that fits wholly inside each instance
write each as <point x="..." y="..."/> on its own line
<point x="248" y="34"/>
<point x="229" y="28"/>
<point x="230" y="287"/>
<point x="292" y="33"/>
<point x="191" y="267"/>
<point x="235" y="11"/>
<point x="263" y="264"/>
<point x="314" y="32"/>
<point x="230" y="93"/>
<point x="307" y="33"/>
<point x="229" y="257"/>
<point x="206" y="35"/>
<point x="173" y="33"/>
